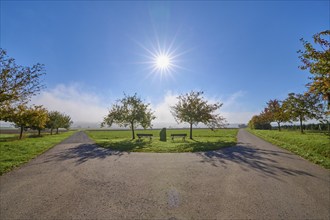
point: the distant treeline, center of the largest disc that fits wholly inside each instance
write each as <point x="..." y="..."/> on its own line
<point x="311" y="127"/>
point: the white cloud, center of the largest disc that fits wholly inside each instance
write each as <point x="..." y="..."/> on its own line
<point x="74" y="101"/>
<point x="234" y="110"/>
<point x="163" y="111"/>
<point x="232" y="102"/>
<point x="238" y="117"/>
<point x="88" y="109"/>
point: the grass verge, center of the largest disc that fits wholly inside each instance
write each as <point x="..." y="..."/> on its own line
<point x="14" y="152"/>
<point x="314" y="147"/>
<point x="204" y="140"/>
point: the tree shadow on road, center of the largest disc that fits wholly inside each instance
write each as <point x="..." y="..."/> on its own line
<point x="197" y="146"/>
<point x="260" y="160"/>
<point x="84" y="152"/>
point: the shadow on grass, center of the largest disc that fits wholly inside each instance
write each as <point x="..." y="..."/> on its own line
<point x="8" y="139"/>
<point x="25" y="136"/>
<point x="35" y="136"/>
<point x="16" y="138"/>
<point x="267" y="162"/>
<point x="166" y="147"/>
<point x="126" y="145"/>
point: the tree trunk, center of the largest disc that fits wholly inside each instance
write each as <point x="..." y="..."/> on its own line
<point x="279" y="126"/>
<point x="39" y="131"/>
<point x="21" y="132"/>
<point x="56" y="130"/>
<point x="51" y="131"/>
<point x="301" y="127"/>
<point x="191" y="131"/>
<point x="132" y="127"/>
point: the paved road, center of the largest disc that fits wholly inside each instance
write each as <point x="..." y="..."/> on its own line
<point x="77" y="180"/>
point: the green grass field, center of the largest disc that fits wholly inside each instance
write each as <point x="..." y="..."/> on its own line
<point x="14" y="152"/>
<point x="203" y="140"/>
<point x="312" y="146"/>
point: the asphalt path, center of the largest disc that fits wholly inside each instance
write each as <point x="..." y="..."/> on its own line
<point x="253" y="180"/>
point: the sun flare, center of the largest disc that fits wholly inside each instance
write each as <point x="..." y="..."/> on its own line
<point x="162" y="59"/>
<point x="163" y="62"/>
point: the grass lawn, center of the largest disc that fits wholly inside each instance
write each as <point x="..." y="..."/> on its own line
<point x="312" y="146"/>
<point x="14" y="152"/>
<point x="204" y="140"/>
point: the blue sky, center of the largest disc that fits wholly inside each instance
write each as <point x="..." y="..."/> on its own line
<point x="240" y="53"/>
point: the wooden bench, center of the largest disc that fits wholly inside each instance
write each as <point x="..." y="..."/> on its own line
<point x="144" y="135"/>
<point x="179" y="135"/>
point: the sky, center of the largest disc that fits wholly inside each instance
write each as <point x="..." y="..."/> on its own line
<point x="240" y="53"/>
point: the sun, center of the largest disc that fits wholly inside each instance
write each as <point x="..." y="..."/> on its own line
<point x="163" y="59"/>
<point x="162" y="62"/>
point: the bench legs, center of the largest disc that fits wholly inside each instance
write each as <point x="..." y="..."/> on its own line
<point x="140" y="138"/>
<point x="183" y="138"/>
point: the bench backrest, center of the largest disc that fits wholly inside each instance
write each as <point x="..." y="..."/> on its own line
<point x="179" y="135"/>
<point x="144" y="135"/>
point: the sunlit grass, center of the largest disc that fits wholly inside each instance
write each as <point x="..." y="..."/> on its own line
<point x="204" y="140"/>
<point x="14" y="152"/>
<point x="312" y="146"/>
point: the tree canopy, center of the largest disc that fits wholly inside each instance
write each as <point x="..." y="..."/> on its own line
<point x="18" y="83"/>
<point x="277" y="112"/>
<point x="316" y="59"/>
<point x="193" y="109"/>
<point x="58" y="120"/>
<point x="24" y="117"/>
<point x="131" y="112"/>
<point x="39" y="118"/>
<point x="301" y="107"/>
<point x="260" y="121"/>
